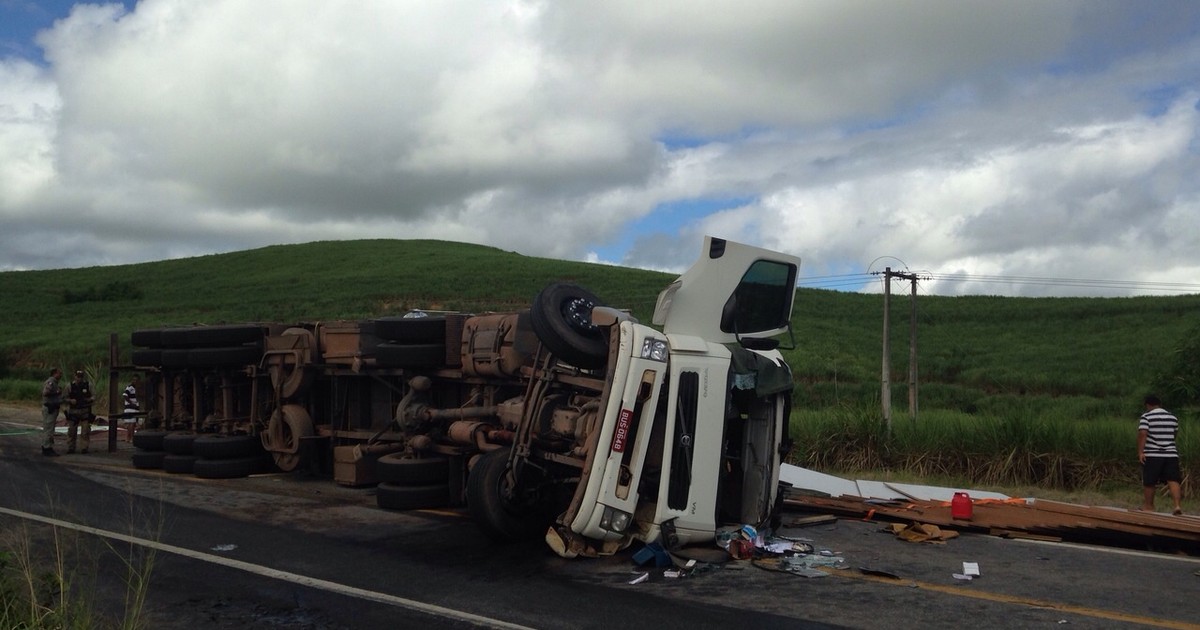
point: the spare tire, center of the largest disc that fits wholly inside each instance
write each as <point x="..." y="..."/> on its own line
<point x="561" y="317"/>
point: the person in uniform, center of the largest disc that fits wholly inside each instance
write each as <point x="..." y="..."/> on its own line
<point x="79" y="412"/>
<point x="51" y="402"/>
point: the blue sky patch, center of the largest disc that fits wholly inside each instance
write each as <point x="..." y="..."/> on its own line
<point x="669" y="218"/>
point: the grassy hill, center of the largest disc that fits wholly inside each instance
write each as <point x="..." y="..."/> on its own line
<point x="1074" y="357"/>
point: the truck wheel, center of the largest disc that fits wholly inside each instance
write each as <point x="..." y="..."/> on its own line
<point x="149" y="440"/>
<point x="178" y="464"/>
<point x="392" y="496"/>
<point x="213" y="336"/>
<point x="145" y="356"/>
<point x="230" y="468"/>
<point x="143" y="460"/>
<point x="561" y="317"/>
<point x="146" y="338"/>
<point x="178" y="443"/>
<point x="500" y="518"/>
<point x="215" y="357"/>
<point x="174" y="357"/>
<point x="397" y="469"/>
<point x="225" y="446"/>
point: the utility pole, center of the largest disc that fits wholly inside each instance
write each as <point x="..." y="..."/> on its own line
<point x="885" y="391"/>
<point x="912" y="352"/>
<point x="885" y="378"/>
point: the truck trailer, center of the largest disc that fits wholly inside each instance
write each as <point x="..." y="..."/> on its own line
<point x="569" y="420"/>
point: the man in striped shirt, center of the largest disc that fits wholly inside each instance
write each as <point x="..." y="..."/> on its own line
<point x="1156" y="450"/>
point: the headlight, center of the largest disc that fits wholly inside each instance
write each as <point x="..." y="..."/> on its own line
<point x="654" y="349"/>
<point x="614" y="520"/>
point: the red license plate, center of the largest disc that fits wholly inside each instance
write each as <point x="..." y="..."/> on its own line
<point x="621" y="435"/>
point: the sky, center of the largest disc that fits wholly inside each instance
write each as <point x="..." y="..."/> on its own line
<point x="1009" y="148"/>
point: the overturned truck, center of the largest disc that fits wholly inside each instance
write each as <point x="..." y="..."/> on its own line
<point x="570" y="419"/>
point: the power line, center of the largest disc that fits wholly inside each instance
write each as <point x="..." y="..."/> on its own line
<point x="858" y="279"/>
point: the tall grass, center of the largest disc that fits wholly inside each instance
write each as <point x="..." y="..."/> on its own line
<point x="52" y="579"/>
<point x="1016" y="450"/>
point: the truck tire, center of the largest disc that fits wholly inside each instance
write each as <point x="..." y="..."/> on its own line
<point x="178" y="464"/>
<point x="144" y="460"/>
<point x="217" y="447"/>
<point x="147" y="357"/>
<point x="397" y="469"/>
<point x="230" y="356"/>
<point x="231" y="468"/>
<point x="390" y="496"/>
<point x="178" y="443"/>
<point x="213" y="336"/>
<point x="561" y="317"/>
<point x="174" y="357"/>
<point x="500" y="518"/>
<point x="411" y="329"/>
<point x="149" y="440"/>
<point x="146" y="338"/>
<point x="410" y="355"/>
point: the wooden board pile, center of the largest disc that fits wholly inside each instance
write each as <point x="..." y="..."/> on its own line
<point x="1024" y="518"/>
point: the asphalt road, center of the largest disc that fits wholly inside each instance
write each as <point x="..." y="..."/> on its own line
<point x="292" y="551"/>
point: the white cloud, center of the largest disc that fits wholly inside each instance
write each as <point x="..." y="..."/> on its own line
<point x="1031" y="138"/>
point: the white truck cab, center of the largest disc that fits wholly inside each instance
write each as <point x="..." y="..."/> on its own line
<point x="694" y="422"/>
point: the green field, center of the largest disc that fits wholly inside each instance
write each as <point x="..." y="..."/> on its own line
<point x="1040" y="391"/>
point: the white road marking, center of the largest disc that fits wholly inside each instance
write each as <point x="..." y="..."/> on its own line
<point x="257" y="569"/>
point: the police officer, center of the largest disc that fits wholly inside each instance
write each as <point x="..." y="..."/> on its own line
<point x="51" y="401"/>
<point x="79" y="413"/>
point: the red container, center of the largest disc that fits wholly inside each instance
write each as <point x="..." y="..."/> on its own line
<point x="961" y="506"/>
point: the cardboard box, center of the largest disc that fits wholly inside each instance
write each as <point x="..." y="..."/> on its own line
<point x="352" y="468"/>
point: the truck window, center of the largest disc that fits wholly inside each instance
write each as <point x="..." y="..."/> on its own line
<point x="762" y="300"/>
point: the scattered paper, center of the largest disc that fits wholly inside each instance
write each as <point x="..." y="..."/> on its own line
<point x="224" y="548"/>
<point x="639" y="579"/>
<point x="971" y="569"/>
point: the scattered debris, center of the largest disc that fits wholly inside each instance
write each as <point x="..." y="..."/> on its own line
<point x="879" y="572"/>
<point x="970" y="571"/>
<point x="921" y="532"/>
<point x="224" y="548"/>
